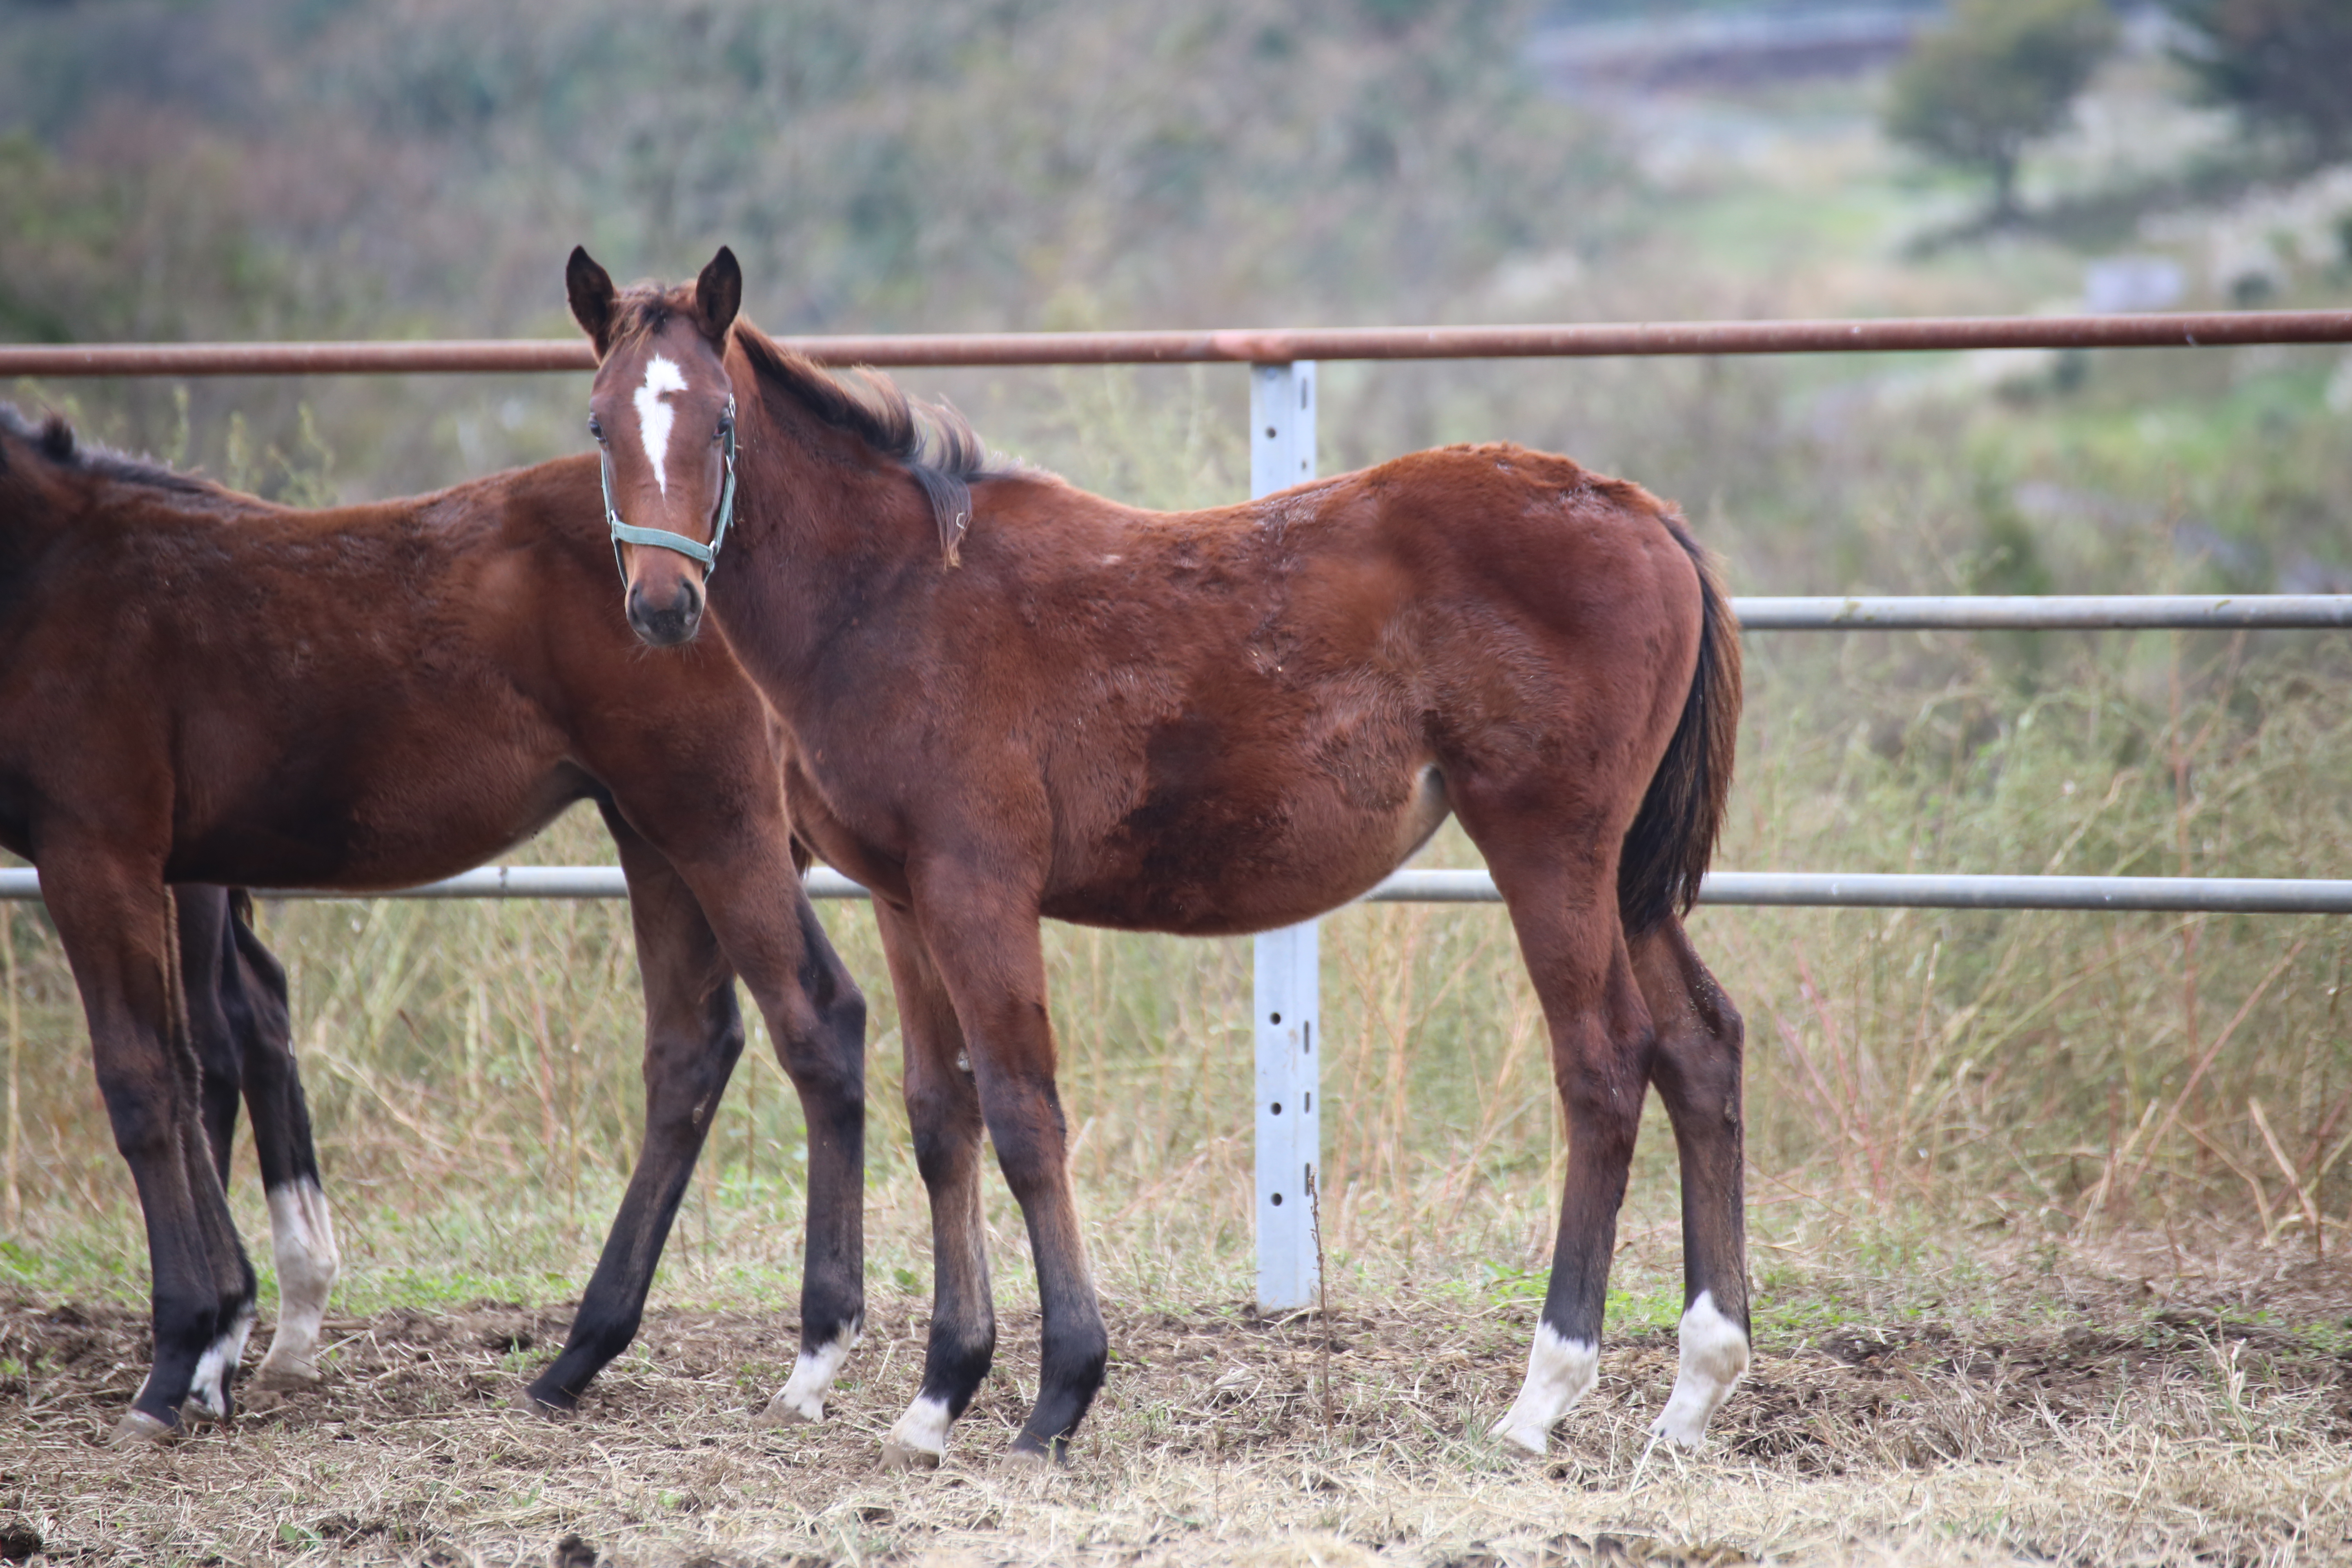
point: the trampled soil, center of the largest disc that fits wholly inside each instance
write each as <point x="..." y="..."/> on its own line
<point x="2163" y="1434"/>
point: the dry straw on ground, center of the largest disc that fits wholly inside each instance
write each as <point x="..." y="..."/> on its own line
<point x="2115" y="1432"/>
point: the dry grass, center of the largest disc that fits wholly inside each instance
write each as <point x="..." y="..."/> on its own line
<point x="2102" y="1432"/>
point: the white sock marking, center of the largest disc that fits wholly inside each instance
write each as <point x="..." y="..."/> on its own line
<point x="209" y="1393"/>
<point x="302" y="1236"/>
<point x="923" y="1429"/>
<point x="803" y="1395"/>
<point x="654" y="417"/>
<point x="1559" y="1372"/>
<point x="1715" y="1358"/>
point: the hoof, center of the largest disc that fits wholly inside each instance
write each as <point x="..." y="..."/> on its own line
<point x="897" y="1455"/>
<point x="137" y="1428"/>
<point x="1520" y="1440"/>
<point x="531" y="1404"/>
<point x="286" y="1376"/>
<point x="1682" y="1433"/>
<point x="782" y="1412"/>
<point x="1021" y="1461"/>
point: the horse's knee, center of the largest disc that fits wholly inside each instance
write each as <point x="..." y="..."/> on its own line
<point x="685" y="1072"/>
<point x="823" y="1053"/>
<point x="946" y="1137"/>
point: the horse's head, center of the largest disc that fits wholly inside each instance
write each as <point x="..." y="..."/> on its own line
<point x="663" y="414"/>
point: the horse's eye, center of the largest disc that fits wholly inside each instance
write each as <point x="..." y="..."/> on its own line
<point x="596" y="427"/>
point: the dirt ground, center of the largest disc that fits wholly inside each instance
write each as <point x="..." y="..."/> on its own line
<point x="2188" y="1430"/>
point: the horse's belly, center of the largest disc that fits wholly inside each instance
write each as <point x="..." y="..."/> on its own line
<point x="387" y="830"/>
<point x="1206" y="873"/>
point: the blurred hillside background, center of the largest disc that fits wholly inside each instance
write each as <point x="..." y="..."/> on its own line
<point x="321" y="168"/>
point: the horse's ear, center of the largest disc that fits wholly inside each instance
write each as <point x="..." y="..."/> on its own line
<point x="718" y="295"/>
<point x="591" y="287"/>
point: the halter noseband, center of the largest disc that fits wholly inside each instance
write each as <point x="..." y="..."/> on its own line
<point x="663" y="538"/>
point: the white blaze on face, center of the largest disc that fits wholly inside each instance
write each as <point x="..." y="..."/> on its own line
<point x="1559" y="1372"/>
<point x="1715" y="1358"/>
<point x="654" y="417"/>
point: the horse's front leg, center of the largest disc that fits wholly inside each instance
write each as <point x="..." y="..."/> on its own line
<point x="990" y="961"/>
<point x="943" y="1112"/>
<point x="818" y="1023"/>
<point x="117" y="922"/>
<point x="694" y="1032"/>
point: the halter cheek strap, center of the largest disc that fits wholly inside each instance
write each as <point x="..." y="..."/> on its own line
<point x="665" y="539"/>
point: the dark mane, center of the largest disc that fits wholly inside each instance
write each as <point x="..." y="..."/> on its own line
<point x="55" y="440"/>
<point x="936" y="443"/>
<point x="932" y="441"/>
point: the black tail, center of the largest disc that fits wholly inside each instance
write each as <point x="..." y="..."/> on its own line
<point x="1673" y="837"/>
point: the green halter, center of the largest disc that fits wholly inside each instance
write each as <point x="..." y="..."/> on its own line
<point x="663" y="538"/>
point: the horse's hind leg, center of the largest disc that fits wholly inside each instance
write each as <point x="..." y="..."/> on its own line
<point x="301" y="1225"/>
<point x="1696" y="1068"/>
<point x="943" y="1111"/>
<point x="202" y="921"/>
<point x="694" y="1032"/>
<point x="1564" y="910"/>
<point x="117" y="928"/>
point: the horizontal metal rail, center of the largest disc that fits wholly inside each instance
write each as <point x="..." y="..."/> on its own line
<point x="1585" y="340"/>
<point x="2051" y="612"/>
<point x="1813" y="890"/>
<point x="2235" y="895"/>
<point x="1834" y="889"/>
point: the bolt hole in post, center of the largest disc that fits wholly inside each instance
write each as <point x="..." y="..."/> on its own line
<point x="1288" y="1000"/>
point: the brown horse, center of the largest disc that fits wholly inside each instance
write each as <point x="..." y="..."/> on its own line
<point x="1008" y="698"/>
<point x="198" y="687"/>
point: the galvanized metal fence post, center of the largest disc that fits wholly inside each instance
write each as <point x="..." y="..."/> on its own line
<point x="1287" y="988"/>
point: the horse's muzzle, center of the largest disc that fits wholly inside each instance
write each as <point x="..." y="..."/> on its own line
<point x="666" y="625"/>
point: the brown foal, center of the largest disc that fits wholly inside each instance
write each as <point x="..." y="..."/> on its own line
<point x="1008" y="698"/>
<point x="200" y="688"/>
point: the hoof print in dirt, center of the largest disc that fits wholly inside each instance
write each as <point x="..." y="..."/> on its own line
<point x="19" y="1541"/>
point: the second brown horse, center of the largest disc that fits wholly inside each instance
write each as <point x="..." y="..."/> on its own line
<point x="198" y="687"/>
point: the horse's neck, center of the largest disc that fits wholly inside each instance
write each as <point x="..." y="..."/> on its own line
<point x="74" y="509"/>
<point x="825" y="523"/>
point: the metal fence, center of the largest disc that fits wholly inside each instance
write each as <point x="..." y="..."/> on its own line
<point x="1286" y="993"/>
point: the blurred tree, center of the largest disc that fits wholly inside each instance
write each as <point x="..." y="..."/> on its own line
<point x="2285" y="64"/>
<point x="2000" y="75"/>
